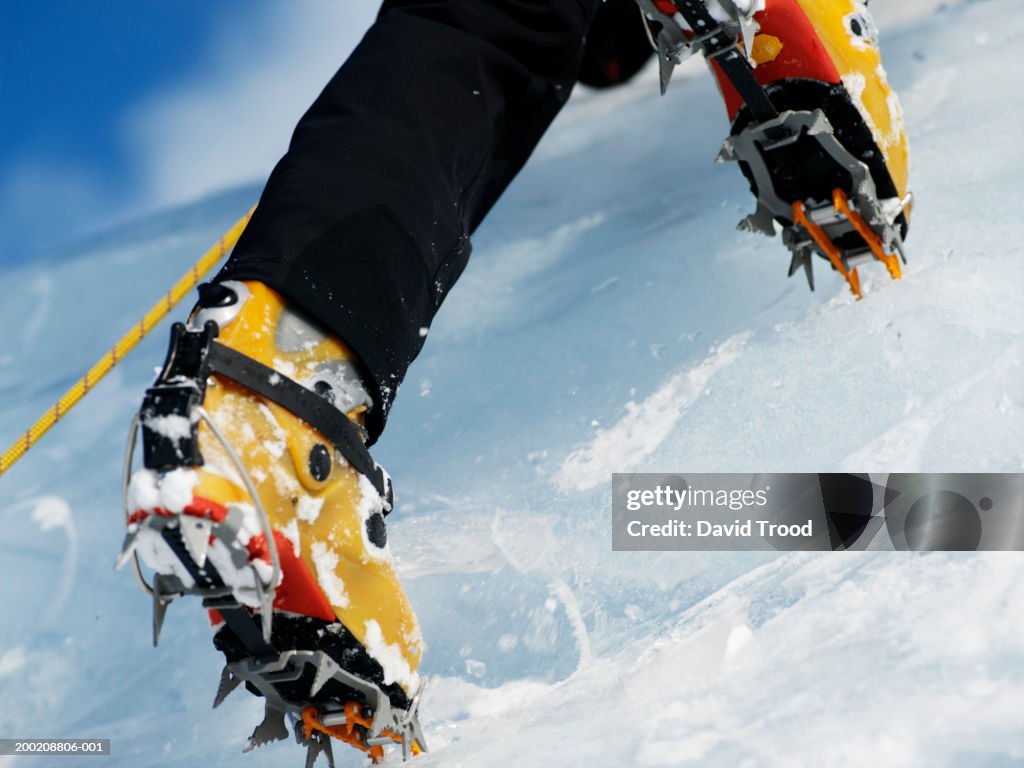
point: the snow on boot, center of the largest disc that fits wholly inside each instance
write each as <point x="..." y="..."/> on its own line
<point x="816" y="128"/>
<point x="259" y="496"/>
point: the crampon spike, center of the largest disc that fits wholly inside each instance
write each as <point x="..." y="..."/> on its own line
<point x="802" y="259"/>
<point x="319" y="743"/>
<point x="131" y="539"/>
<point x="271" y="729"/>
<point x="324" y="673"/>
<point x="165" y="589"/>
<point x="195" y="533"/>
<point x="228" y="683"/>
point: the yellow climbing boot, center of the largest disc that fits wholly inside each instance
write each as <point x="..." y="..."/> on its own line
<point x="259" y="496"/>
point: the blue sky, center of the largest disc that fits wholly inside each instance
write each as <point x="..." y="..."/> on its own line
<point x="111" y="109"/>
<point x="70" y="68"/>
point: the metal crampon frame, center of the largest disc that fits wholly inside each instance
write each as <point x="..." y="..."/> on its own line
<point x="817" y="226"/>
<point x="368" y="726"/>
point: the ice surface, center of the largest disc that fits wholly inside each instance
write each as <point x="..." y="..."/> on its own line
<point x="599" y="290"/>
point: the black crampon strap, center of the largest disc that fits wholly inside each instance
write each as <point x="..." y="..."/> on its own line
<point x="722" y="47"/>
<point x="306" y="405"/>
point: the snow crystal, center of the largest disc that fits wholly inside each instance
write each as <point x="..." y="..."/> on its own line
<point x="158" y="556"/>
<point x="291" y="532"/>
<point x="309" y="508"/>
<point x="284" y="481"/>
<point x="143" y="491"/>
<point x="286" y="367"/>
<point x="260" y="568"/>
<point x="390" y="657"/>
<point x="176" y="488"/>
<point x="855" y="84"/>
<point x="171" y="426"/>
<point x="326" y="560"/>
<point x="746" y="8"/>
<point x="172" y="491"/>
<point x="275" y="447"/>
<point x="892" y="103"/>
<point x="250" y="523"/>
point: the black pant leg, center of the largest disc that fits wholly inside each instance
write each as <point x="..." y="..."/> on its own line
<point x="617" y="45"/>
<point x="365" y="222"/>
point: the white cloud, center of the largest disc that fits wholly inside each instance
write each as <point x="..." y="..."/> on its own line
<point x="230" y="120"/>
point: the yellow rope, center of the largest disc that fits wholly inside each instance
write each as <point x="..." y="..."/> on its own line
<point x="117" y="353"/>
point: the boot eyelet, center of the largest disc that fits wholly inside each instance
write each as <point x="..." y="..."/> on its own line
<point x="325" y="390"/>
<point x="377" y="530"/>
<point x="320" y="462"/>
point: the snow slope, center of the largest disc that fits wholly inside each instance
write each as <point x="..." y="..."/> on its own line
<point x="611" y="319"/>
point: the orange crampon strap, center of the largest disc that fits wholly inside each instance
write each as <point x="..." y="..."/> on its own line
<point x="891" y="261"/>
<point x="828" y="247"/>
<point x="353" y="731"/>
<point x="870" y="237"/>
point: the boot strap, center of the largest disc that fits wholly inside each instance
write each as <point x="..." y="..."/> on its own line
<point x="181" y="386"/>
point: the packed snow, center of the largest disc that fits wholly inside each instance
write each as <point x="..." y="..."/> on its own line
<point x="326" y="560"/>
<point x="611" y="319"/>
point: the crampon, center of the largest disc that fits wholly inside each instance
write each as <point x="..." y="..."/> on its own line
<point x="816" y="129"/>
